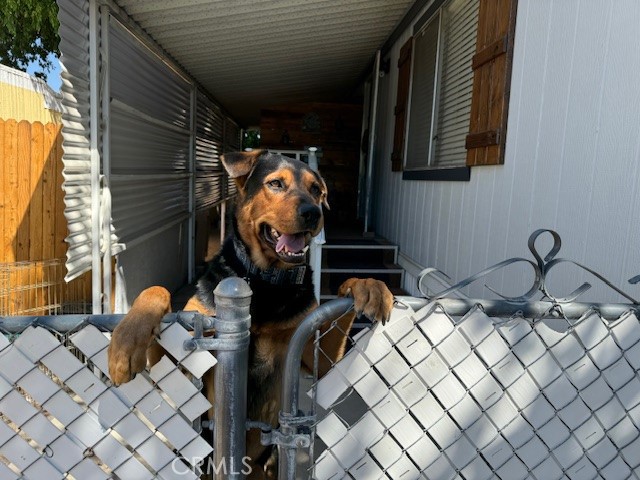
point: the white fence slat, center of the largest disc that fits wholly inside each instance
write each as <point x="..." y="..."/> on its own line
<point x="178" y="432"/>
<point x="196" y="449"/>
<point x="179" y="389"/>
<point x="371" y="388"/>
<point x="177" y="470"/>
<point x="17" y="408"/>
<point x="7" y="474"/>
<point x="109" y="409"/>
<point x="327" y="467"/>
<point x="13" y="364"/>
<point x="41" y="430"/>
<point x="87" y="430"/>
<point x="89" y="470"/>
<point x="64" y="454"/>
<point x="62" y="363"/>
<point x="132" y="468"/>
<point x="197" y="362"/>
<point x="626" y="332"/>
<point x="19" y="452"/>
<point x="135" y="390"/>
<point x="111" y="452"/>
<point x="89" y="340"/>
<point x="36" y="342"/>
<point x="403" y="468"/>
<point x="328" y="392"/>
<point x="366" y="469"/>
<point x="133" y="430"/>
<point x="86" y="385"/>
<point x="155" y="453"/>
<point x="424" y="452"/>
<point x="63" y="408"/>
<point x="42" y="469"/>
<point x="195" y="407"/>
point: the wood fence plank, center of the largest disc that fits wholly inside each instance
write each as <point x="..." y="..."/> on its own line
<point x="36" y="163"/>
<point x="24" y="189"/>
<point x="48" y="196"/>
<point x="60" y="220"/>
<point x="3" y="194"/>
<point x="10" y="182"/>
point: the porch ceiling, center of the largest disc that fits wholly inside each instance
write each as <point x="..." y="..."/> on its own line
<point x="250" y="54"/>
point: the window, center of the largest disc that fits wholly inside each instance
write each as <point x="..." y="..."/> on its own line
<point x="441" y="87"/>
<point x="453" y="91"/>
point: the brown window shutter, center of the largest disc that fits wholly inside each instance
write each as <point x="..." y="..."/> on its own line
<point x="402" y="99"/>
<point x="491" y="82"/>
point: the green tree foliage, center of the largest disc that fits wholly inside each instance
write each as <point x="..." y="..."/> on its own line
<point x="28" y="33"/>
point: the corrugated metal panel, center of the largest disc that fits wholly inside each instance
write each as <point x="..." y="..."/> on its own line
<point x="572" y="158"/>
<point x="145" y="203"/>
<point x="74" y="48"/>
<point x="232" y="143"/>
<point x="143" y="81"/>
<point x="252" y="54"/>
<point x="150" y="136"/>
<point x="209" y="146"/>
<point x="460" y="26"/>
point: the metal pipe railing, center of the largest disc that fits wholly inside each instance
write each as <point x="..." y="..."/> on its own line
<point x="232" y="324"/>
<point x="105" y="322"/>
<point x="290" y="384"/>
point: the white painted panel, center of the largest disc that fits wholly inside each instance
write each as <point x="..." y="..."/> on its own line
<point x="572" y="159"/>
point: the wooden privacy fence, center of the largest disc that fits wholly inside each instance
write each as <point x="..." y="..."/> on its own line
<point x="32" y="222"/>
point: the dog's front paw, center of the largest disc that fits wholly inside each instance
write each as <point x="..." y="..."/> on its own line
<point x="371" y="297"/>
<point x="128" y="351"/>
<point x="130" y="339"/>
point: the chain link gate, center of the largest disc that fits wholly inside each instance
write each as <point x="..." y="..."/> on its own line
<point x="475" y="389"/>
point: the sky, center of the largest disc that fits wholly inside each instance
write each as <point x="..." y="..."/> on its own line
<point x="53" y="78"/>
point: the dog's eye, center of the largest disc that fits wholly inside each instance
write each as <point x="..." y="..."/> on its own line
<point x="276" y="184"/>
<point x="315" y="190"/>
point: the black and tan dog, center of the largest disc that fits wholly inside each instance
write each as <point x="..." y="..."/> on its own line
<point x="279" y="210"/>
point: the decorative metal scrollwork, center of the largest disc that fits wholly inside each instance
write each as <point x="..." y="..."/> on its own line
<point x="541" y="268"/>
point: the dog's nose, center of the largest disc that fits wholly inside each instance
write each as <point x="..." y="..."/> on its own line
<point x="310" y="215"/>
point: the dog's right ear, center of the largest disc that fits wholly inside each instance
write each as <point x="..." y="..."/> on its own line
<point x="240" y="164"/>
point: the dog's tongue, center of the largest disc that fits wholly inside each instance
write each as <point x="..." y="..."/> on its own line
<point x="293" y="243"/>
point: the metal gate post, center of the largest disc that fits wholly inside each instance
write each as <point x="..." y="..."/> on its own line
<point x="232" y="323"/>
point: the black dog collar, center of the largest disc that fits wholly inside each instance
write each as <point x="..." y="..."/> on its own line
<point x="272" y="275"/>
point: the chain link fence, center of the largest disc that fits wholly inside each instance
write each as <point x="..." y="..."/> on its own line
<point x="448" y="388"/>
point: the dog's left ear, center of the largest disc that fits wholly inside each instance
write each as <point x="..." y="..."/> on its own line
<point x="240" y="164"/>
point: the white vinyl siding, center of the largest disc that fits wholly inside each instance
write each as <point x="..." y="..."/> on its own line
<point x="572" y="160"/>
<point x="441" y="87"/>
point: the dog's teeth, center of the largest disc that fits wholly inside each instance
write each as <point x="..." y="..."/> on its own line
<point x="304" y="250"/>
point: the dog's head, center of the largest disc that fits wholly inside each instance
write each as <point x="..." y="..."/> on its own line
<point x="279" y="206"/>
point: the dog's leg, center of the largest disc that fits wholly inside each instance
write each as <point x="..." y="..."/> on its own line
<point x="371" y="298"/>
<point x="134" y="337"/>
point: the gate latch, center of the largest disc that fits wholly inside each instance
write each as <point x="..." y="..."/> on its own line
<point x="271" y="436"/>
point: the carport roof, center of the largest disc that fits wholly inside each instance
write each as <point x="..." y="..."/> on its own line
<point x="250" y="54"/>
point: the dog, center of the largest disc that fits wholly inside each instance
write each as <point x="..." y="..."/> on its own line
<point x="278" y="211"/>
